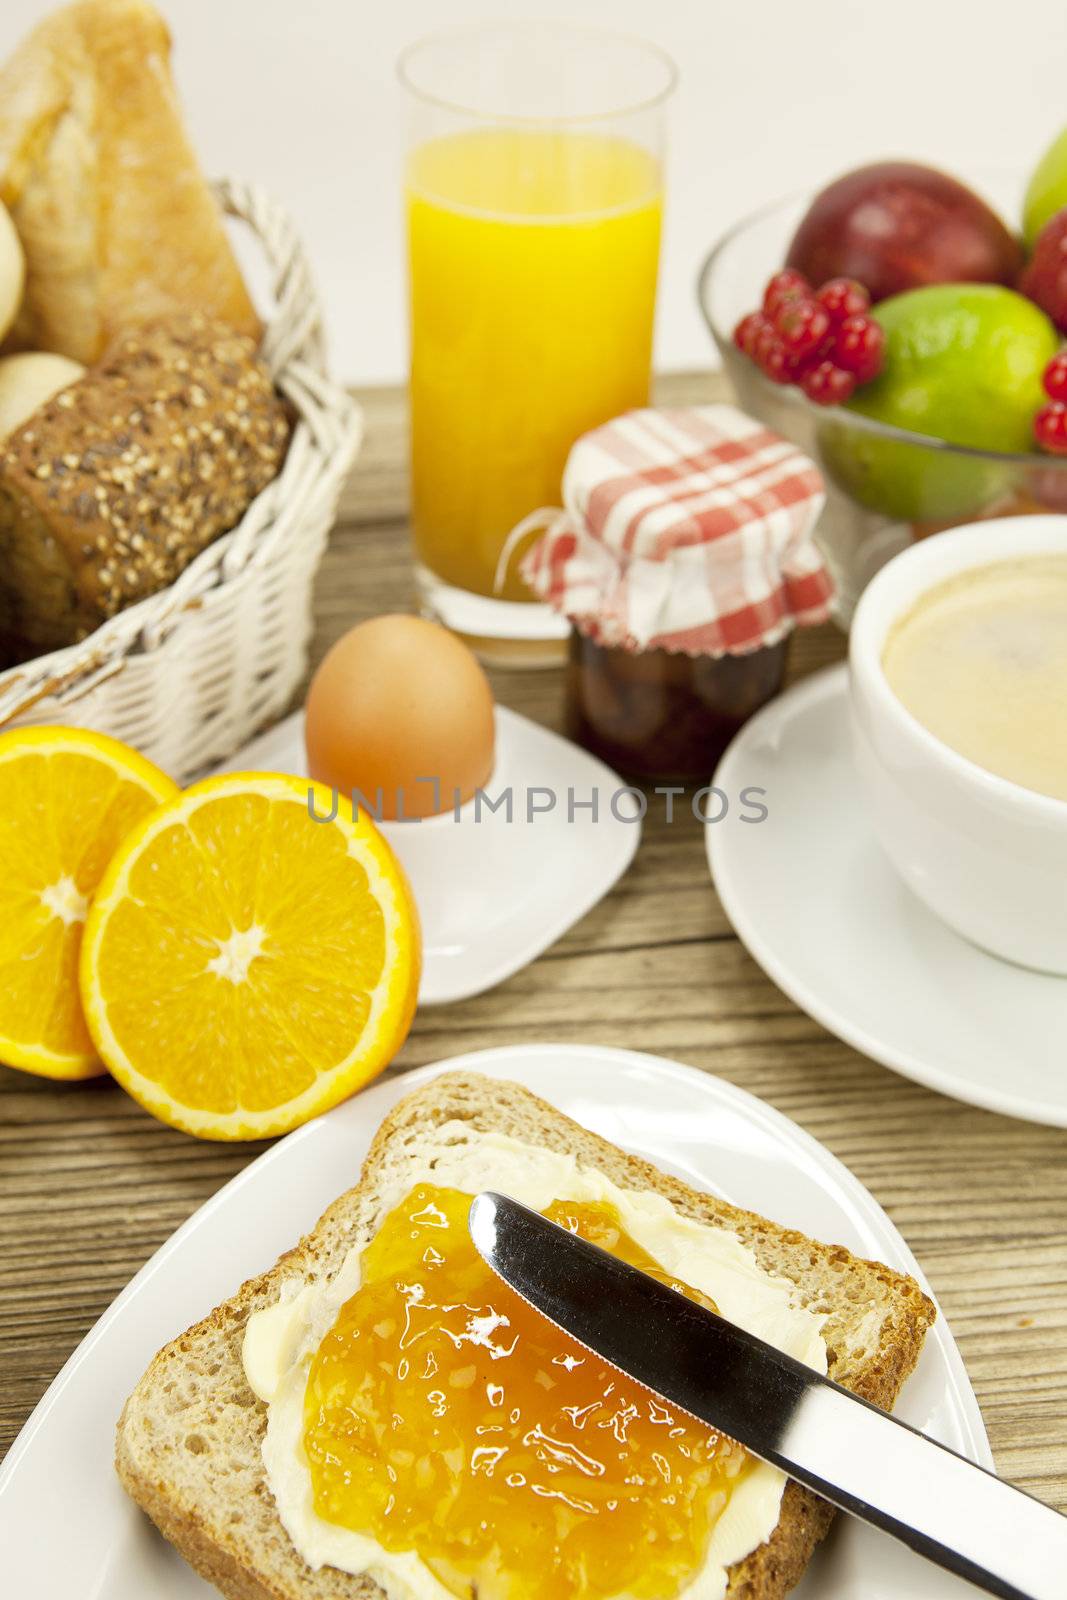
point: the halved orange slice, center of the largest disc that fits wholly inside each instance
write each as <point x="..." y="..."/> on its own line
<point x="67" y="800"/>
<point x="251" y="957"/>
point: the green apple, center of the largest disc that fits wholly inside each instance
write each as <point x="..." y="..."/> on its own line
<point x="1046" y="193"/>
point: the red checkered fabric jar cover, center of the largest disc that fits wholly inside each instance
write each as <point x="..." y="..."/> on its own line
<point x="686" y="530"/>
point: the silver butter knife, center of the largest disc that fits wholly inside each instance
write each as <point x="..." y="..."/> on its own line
<point x="853" y="1454"/>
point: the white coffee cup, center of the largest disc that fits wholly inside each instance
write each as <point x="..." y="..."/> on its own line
<point x="988" y="856"/>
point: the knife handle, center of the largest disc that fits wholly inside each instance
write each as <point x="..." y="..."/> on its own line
<point x="848" y="1451"/>
<point x="941" y="1505"/>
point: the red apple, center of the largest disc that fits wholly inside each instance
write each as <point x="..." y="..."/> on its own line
<point x="897" y="225"/>
<point x="1044" y="279"/>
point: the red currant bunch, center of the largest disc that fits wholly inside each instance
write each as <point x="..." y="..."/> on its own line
<point x="1054" y="377"/>
<point x="784" y="286"/>
<point x="1050" y="424"/>
<point x="859" y="347"/>
<point x="828" y="385"/>
<point x="844" y="297"/>
<point x="823" y="341"/>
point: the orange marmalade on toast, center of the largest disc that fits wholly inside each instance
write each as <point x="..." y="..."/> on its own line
<point x="444" y="1416"/>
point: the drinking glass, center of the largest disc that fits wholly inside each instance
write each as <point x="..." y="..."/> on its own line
<point x="534" y="193"/>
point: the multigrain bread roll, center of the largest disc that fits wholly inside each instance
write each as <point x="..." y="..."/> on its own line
<point x="109" y="490"/>
<point x="116" y="220"/>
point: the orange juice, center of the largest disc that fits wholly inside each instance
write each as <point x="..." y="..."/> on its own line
<point x="533" y="258"/>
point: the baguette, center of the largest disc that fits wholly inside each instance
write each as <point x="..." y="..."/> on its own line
<point x="116" y="220"/>
<point x="190" y="1436"/>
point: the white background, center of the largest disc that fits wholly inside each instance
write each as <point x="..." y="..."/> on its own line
<point x="776" y="95"/>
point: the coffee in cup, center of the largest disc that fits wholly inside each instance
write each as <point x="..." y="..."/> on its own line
<point x="981" y="661"/>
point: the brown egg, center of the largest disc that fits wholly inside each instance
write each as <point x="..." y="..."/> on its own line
<point x="396" y="700"/>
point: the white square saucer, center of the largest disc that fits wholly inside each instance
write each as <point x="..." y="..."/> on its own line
<point x="496" y="887"/>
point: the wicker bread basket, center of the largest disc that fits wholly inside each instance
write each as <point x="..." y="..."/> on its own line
<point x="188" y="675"/>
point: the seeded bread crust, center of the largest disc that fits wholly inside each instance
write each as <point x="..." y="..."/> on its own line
<point x="109" y="490"/>
<point x="190" y="1436"/>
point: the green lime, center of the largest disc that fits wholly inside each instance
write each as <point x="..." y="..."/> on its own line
<point x="910" y="482"/>
<point x="1046" y="193"/>
<point x="963" y="364"/>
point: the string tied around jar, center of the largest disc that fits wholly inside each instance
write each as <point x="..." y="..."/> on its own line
<point x="546" y="519"/>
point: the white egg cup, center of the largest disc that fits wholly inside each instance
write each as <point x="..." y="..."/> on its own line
<point x="497" y="884"/>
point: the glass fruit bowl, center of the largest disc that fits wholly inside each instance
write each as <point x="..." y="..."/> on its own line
<point x="885" y="487"/>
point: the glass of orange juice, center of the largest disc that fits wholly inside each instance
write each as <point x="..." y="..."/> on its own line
<point x="534" y="194"/>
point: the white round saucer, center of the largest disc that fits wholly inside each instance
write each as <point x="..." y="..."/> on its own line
<point x="819" y="906"/>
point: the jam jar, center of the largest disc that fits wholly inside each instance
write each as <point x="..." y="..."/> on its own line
<point x="684" y="558"/>
<point x="658" y="714"/>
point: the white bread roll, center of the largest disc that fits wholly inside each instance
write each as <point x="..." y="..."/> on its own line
<point x="27" y="381"/>
<point x="12" y="271"/>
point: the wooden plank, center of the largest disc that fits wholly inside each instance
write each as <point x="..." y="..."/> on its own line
<point x="90" y="1186"/>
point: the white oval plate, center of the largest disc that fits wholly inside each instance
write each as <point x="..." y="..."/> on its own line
<point x="817" y="903"/>
<point x="67" y="1528"/>
<point x="493" y="890"/>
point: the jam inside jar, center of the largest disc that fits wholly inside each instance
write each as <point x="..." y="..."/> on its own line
<point x="661" y="714"/>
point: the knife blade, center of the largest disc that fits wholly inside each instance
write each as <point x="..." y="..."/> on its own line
<point x="860" y="1458"/>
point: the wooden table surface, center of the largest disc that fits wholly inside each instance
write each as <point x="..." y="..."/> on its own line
<point x="90" y="1185"/>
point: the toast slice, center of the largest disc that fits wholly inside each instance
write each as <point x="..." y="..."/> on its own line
<point x="190" y="1436"/>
